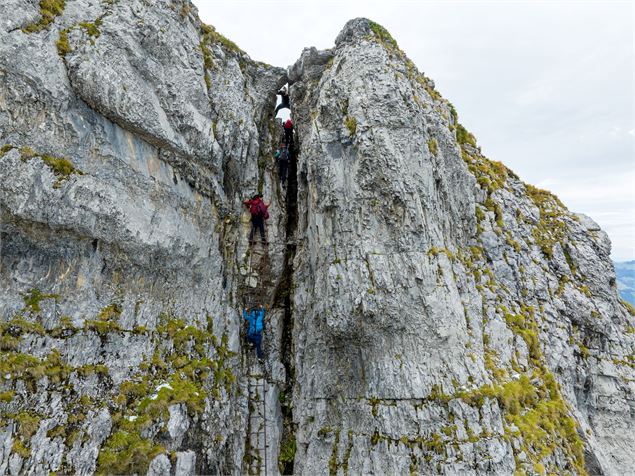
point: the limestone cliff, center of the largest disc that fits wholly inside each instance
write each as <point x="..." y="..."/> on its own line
<point x="428" y="312"/>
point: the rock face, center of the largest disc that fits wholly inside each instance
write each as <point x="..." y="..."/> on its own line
<point x="428" y="312"/>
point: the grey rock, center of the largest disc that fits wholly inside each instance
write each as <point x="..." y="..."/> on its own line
<point x="178" y="423"/>
<point x="160" y="466"/>
<point x="185" y="463"/>
<point x="408" y="281"/>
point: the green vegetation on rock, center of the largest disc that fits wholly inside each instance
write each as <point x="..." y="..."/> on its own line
<point x="126" y="452"/>
<point x="62" y="168"/>
<point x="551" y="229"/>
<point x="286" y="457"/>
<point x="433" y="146"/>
<point x="92" y="28"/>
<point x="63" y="48"/>
<point x="383" y="36"/>
<point x="210" y="35"/>
<point x="32" y="299"/>
<point x="49" y="10"/>
<point x="351" y="124"/>
<point x="182" y="374"/>
<point x="463" y="136"/>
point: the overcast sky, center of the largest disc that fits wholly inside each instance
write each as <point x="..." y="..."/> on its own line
<point x="545" y="86"/>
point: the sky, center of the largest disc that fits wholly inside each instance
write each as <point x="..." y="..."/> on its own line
<point x="545" y="86"/>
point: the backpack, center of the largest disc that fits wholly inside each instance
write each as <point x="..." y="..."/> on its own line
<point x="254" y="207"/>
<point x="262" y="210"/>
<point x="288" y="124"/>
<point x="284" y="154"/>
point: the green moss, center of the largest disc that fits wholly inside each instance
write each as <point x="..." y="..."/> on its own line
<point x="562" y="282"/>
<point x="33" y="297"/>
<point x="551" y="229"/>
<point x="493" y="206"/>
<point x="524" y="324"/>
<point x="449" y="430"/>
<point x="127" y="452"/>
<point x="535" y="412"/>
<point x="58" y="431"/>
<point x="208" y="63"/>
<point x="629" y="307"/>
<point x="287" y="453"/>
<point x="31" y="369"/>
<point x="210" y="35"/>
<point x="89" y="369"/>
<point x="28" y="423"/>
<point x="433" y="146"/>
<point x="7" y="397"/>
<point x="20" y="449"/>
<point x="102" y="328"/>
<point x="491" y="365"/>
<point x="436" y="251"/>
<point x="463" y="136"/>
<point x="27" y="153"/>
<point x="333" y="465"/>
<point x="49" y="10"/>
<point x="383" y="36"/>
<point x="375" y="437"/>
<point x="131" y="391"/>
<point x="140" y="330"/>
<point x="92" y="29"/>
<point x="570" y="262"/>
<point x="374" y="403"/>
<point x="181" y="390"/>
<point x="437" y="394"/>
<point x="510" y="241"/>
<point x="61" y="168"/>
<point x="351" y="124"/>
<point x="428" y="85"/>
<point x="435" y="443"/>
<point x="18" y="326"/>
<point x="584" y="351"/>
<point x="347" y="453"/>
<point x="208" y="58"/>
<point x="110" y="313"/>
<point x="4" y="149"/>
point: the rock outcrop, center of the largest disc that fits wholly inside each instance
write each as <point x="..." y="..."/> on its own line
<point x="428" y="312"/>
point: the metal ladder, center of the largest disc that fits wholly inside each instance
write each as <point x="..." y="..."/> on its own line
<point x="258" y="446"/>
<point x="255" y="287"/>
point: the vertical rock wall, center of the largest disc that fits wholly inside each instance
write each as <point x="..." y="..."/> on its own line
<point x="448" y="318"/>
<point x="131" y="133"/>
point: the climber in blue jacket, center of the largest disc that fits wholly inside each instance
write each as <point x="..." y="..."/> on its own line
<point x="256" y="318"/>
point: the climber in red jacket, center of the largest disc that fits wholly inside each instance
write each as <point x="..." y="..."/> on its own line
<point x="259" y="214"/>
<point x="288" y="132"/>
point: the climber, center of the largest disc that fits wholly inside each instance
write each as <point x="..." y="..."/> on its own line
<point x="282" y="156"/>
<point x="256" y="318"/>
<point x="288" y="132"/>
<point x="259" y="213"/>
<point x="284" y="96"/>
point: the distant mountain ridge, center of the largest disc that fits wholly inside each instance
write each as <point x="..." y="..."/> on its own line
<point x="625" y="272"/>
